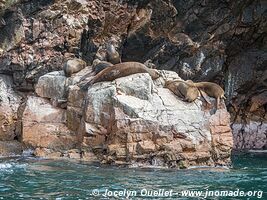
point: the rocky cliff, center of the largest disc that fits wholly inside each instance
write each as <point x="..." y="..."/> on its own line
<point x="219" y="41"/>
<point x="132" y="121"/>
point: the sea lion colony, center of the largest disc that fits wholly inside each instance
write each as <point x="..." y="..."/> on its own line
<point x="189" y="91"/>
<point x="211" y="89"/>
<point x="109" y="71"/>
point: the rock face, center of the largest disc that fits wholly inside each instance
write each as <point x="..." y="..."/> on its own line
<point x="10" y="148"/>
<point x="44" y="126"/>
<point x="250" y="136"/>
<point x="10" y="125"/>
<point x="132" y="120"/>
<point x="9" y="104"/>
<point x="213" y="40"/>
<point x="148" y="124"/>
<point x="55" y="81"/>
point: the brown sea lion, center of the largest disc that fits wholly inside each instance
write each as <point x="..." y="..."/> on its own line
<point x="183" y="90"/>
<point x="211" y="89"/>
<point x="99" y="65"/>
<point x="112" y="54"/>
<point x="73" y="66"/>
<point x="120" y="70"/>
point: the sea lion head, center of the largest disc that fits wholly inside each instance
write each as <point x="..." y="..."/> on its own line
<point x="96" y="61"/>
<point x="112" y="44"/>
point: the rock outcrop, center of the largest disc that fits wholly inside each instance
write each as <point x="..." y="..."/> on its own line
<point x="132" y="120"/>
<point x="213" y="40"/>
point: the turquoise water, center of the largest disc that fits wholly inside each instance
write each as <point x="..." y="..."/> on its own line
<point x="29" y="178"/>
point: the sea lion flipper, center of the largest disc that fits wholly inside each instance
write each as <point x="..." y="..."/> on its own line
<point x="86" y="76"/>
<point x="180" y="94"/>
<point x="204" y="95"/>
<point x="85" y="86"/>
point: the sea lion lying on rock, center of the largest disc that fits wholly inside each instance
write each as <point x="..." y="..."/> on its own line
<point x="183" y="90"/>
<point x="211" y="89"/>
<point x="73" y="66"/>
<point x="99" y="65"/>
<point x="120" y="70"/>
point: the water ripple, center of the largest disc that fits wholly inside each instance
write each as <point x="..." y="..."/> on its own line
<point x="46" y="179"/>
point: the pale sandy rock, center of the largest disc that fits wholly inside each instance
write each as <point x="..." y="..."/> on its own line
<point x="75" y="154"/>
<point x="99" y="103"/>
<point x="52" y="85"/>
<point x="222" y="139"/>
<point x="140" y="86"/>
<point x="118" y="150"/>
<point x="45" y="126"/>
<point x="74" y="116"/>
<point x="47" y="153"/>
<point x="146" y="147"/>
<point x="75" y="96"/>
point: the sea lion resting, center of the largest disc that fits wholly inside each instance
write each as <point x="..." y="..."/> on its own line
<point x="211" y="89"/>
<point x="112" y="54"/>
<point x="99" y="65"/>
<point x="120" y="70"/>
<point x="73" y="66"/>
<point x="183" y="90"/>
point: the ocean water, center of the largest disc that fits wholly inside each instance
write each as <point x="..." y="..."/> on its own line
<point x="31" y="178"/>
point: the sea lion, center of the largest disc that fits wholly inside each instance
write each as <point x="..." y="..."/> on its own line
<point x="73" y="66"/>
<point x="112" y="54"/>
<point x="99" y="65"/>
<point x="183" y="90"/>
<point x="211" y="89"/>
<point x="120" y="70"/>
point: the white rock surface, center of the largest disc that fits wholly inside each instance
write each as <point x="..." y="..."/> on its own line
<point x="52" y="85"/>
